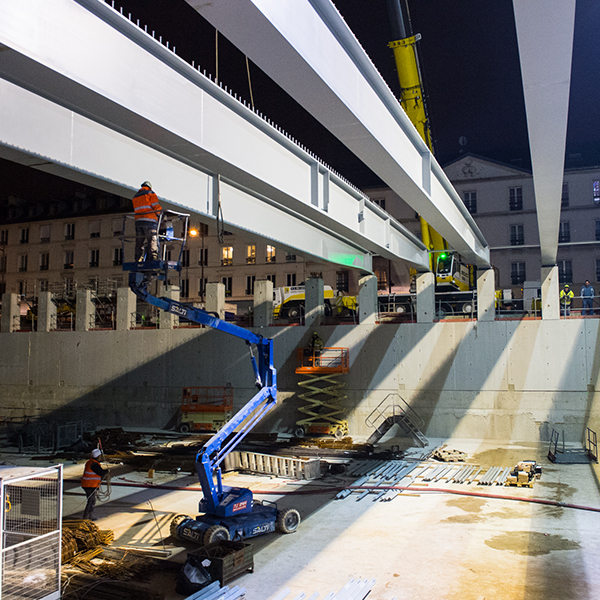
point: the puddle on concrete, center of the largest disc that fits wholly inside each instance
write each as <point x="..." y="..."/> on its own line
<point x="507" y="457"/>
<point x="530" y="543"/>
<point x="561" y="492"/>
<point x="473" y="505"/>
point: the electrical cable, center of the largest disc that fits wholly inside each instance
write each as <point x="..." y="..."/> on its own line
<point x="220" y="223"/>
<point x="378" y="488"/>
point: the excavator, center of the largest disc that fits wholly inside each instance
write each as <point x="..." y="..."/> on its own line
<point x="452" y="274"/>
<point x="228" y="513"/>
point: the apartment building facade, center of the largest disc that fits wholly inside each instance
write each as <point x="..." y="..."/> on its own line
<point x="502" y="201"/>
<point x="87" y="251"/>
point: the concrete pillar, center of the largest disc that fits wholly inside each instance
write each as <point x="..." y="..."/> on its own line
<point x="263" y="303"/>
<point x="314" y="302"/>
<point x="367" y="300"/>
<point x="46" y="315"/>
<point x="215" y="299"/>
<point x="168" y="320"/>
<point x="86" y="313"/>
<point x="550" y="293"/>
<point x="11" y="313"/>
<point x="425" y="297"/>
<point x="486" y="295"/>
<point x="126" y="305"/>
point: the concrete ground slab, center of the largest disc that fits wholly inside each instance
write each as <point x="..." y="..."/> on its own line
<point x="420" y="545"/>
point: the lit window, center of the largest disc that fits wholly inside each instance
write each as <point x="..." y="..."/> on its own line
<point x="251" y="255"/>
<point x="227" y="258"/>
<point x="270" y="254"/>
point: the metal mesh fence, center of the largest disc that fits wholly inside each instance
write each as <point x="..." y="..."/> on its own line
<point x="31" y="569"/>
<point x="31" y="508"/>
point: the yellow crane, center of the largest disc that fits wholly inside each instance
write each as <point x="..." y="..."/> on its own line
<point x="451" y="273"/>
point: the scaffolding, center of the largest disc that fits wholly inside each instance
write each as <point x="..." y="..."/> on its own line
<point x="324" y="392"/>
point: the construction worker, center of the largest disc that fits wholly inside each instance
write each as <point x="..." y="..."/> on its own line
<point x="147" y="210"/>
<point x="566" y="295"/>
<point x="316" y="348"/>
<point x="90" y="482"/>
<point x="587" y="298"/>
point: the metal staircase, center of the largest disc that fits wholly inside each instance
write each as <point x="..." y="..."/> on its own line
<point x="391" y="410"/>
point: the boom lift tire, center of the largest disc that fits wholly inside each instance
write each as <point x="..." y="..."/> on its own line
<point x="299" y="432"/>
<point x="216" y="533"/>
<point x="184" y="428"/>
<point x="288" y="520"/>
<point x="293" y="312"/>
<point x="176" y="522"/>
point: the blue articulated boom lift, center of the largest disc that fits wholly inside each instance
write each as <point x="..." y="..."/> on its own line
<point x="228" y="512"/>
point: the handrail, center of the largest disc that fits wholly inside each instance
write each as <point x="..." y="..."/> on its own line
<point x="396" y="410"/>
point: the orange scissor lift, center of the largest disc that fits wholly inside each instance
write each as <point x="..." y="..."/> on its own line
<point x="324" y="411"/>
<point x="205" y="408"/>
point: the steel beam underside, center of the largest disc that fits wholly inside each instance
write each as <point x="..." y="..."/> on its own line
<point x="73" y="143"/>
<point x="545" y="37"/>
<point x="103" y="69"/>
<point x="307" y="48"/>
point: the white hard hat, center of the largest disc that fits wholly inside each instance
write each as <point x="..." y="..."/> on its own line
<point x="96" y="453"/>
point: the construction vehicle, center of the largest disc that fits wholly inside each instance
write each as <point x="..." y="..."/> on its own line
<point x="451" y="273"/>
<point x="227" y="512"/>
<point x="323" y="411"/>
<point x="288" y="302"/>
<point x="205" y="408"/>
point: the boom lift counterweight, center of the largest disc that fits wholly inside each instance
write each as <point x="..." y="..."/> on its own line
<point x="229" y="512"/>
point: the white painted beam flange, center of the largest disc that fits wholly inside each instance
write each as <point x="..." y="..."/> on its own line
<point x="307" y="48"/>
<point x="545" y="36"/>
<point x="86" y="57"/>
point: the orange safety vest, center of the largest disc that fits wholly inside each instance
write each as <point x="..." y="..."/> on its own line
<point x="90" y="479"/>
<point x="146" y="206"/>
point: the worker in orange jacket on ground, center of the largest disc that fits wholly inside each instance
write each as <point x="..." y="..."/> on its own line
<point x="90" y="482"/>
<point x="147" y="211"/>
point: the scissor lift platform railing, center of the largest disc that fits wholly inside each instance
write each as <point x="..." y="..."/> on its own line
<point x="328" y="360"/>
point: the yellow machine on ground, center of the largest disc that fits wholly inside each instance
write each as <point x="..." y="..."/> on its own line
<point x="289" y="301"/>
<point x="205" y="408"/>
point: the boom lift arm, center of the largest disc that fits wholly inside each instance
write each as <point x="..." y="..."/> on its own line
<point x="229" y="512"/>
<point x="213" y="453"/>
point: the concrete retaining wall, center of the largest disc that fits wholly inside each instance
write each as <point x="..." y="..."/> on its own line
<point x="502" y="380"/>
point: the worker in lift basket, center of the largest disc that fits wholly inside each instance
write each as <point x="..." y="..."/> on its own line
<point x="316" y="346"/>
<point x="147" y="210"/>
<point x="90" y="482"/>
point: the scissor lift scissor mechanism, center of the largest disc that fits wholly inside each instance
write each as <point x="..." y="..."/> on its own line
<point x="324" y="394"/>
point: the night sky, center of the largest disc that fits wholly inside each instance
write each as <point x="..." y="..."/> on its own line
<point x="470" y="66"/>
